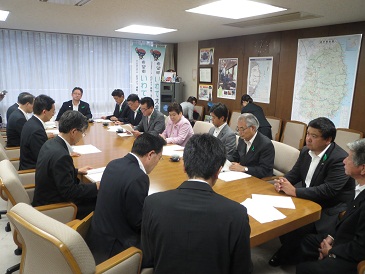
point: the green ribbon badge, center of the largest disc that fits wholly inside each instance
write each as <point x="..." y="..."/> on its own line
<point x="324" y="157"/>
<point x="252" y="148"/>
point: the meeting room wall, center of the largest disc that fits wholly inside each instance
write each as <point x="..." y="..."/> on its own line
<point x="283" y="47"/>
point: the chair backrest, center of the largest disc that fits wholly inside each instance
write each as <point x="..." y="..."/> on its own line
<point x="285" y="158"/>
<point x="2" y="141"/>
<point x="275" y="127"/>
<point x="11" y="185"/>
<point x="345" y="136"/>
<point x="233" y="120"/>
<point x="4" y="155"/>
<point x="201" y="127"/>
<point x="49" y="245"/>
<point x="200" y="110"/>
<point x="294" y="134"/>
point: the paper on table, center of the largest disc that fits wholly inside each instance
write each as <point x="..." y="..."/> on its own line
<point x="127" y="127"/>
<point x="50" y="125"/>
<point x="54" y="131"/>
<point x="125" y="134"/>
<point x="226" y="166"/>
<point x="232" y="175"/>
<point x="85" y="149"/>
<point x="113" y="128"/>
<point x="275" y="201"/>
<point x="101" y="121"/>
<point x="94" y="175"/>
<point x="173" y="150"/>
<point x="261" y="212"/>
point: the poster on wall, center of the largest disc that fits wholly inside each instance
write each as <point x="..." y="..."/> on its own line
<point x="259" y="78"/>
<point x="205" y="92"/>
<point x="325" y="78"/>
<point x="207" y="56"/>
<point x="227" y="78"/>
<point x="146" y="71"/>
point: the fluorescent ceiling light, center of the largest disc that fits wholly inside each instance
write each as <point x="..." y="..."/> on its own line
<point x="145" y="29"/>
<point x="235" y="9"/>
<point x="3" y="15"/>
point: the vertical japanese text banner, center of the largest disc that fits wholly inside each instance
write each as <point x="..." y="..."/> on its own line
<point x="146" y="72"/>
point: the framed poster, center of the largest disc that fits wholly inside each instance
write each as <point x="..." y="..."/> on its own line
<point x="205" y="75"/>
<point x="206" y="56"/>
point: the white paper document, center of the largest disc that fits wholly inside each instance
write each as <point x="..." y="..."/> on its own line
<point x="125" y="134"/>
<point x="228" y="176"/>
<point x="85" y="149"/>
<point x="226" y="166"/>
<point x="101" y="121"/>
<point x="275" y="201"/>
<point x="94" y="175"/>
<point x="113" y="128"/>
<point x="54" y="131"/>
<point x="173" y="150"/>
<point x="127" y="127"/>
<point x="261" y="212"/>
<point x="50" y="124"/>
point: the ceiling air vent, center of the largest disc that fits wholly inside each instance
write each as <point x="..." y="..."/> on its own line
<point x="290" y="17"/>
<point x="68" y="2"/>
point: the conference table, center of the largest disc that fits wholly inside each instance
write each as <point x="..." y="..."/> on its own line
<point x="169" y="175"/>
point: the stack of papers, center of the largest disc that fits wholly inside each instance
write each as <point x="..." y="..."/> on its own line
<point x="85" y="149"/>
<point x="262" y="207"/>
<point x="173" y="150"/>
<point x="228" y="175"/>
<point x="101" y="121"/>
<point x="114" y="128"/>
<point x="94" y="175"/>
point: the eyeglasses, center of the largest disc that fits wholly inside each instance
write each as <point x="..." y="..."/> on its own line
<point x="242" y="129"/>
<point x="143" y="109"/>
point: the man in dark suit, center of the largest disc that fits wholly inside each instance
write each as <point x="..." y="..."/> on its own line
<point x="319" y="176"/>
<point x="248" y="106"/>
<point x="341" y="251"/>
<point x="152" y="121"/>
<point x="18" y="118"/>
<point x="221" y="129"/>
<point x="33" y="134"/>
<point x="135" y="113"/>
<point x="255" y="152"/>
<point x="16" y="105"/>
<point x="76" y="104"/>
<point x="192" y="229"/>
<point x="121" y="110"/>
<point x="116" y="224"/>
<point x="56" y="177"/>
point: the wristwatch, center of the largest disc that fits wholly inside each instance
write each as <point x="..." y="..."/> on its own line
<point x="245" y="169"/>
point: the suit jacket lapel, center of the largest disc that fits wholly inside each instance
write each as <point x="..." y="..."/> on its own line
<point x="353" y="206"/>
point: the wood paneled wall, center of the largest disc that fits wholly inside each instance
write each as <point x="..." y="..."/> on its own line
<point x="283" y="47"/>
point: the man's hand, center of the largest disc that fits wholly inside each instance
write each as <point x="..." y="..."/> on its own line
<point x="282" y="184"/>
<point x="136" y="133"/>
<point x="325" y="247"/>
<point x="83" y="170"/>
<point x="75" y="154"/>
<point x="236" y="167"/>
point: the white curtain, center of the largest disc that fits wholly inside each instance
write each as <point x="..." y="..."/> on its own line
<point x="53" y="64"/>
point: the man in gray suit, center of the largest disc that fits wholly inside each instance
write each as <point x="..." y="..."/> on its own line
<point x="221" y="130"/>
<point x="152" y="121"/>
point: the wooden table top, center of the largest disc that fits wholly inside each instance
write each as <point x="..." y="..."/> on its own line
<point x="169" y="175"/>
